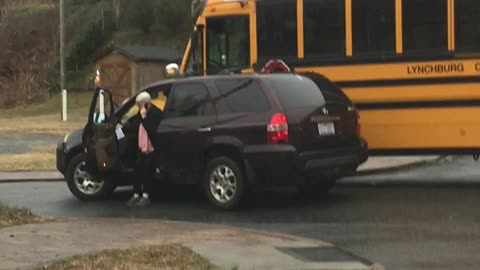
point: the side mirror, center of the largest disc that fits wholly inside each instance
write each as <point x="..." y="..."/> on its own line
<point x="171" y="70"/>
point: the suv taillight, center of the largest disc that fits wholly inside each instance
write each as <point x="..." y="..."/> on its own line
<point x="277" y="129"/>
<point x="359" y="123"/>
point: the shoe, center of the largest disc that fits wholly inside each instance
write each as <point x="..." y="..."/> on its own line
<point x="143" y="202"/>
<point x="133" y="201"/>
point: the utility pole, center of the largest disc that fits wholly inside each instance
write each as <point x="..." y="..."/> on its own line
<point x="62" y="61"/>
<point x="62" y="44"/>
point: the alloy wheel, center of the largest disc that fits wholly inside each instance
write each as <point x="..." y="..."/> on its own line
<point x="84" y="182"/>
<point x="223" y="184"/>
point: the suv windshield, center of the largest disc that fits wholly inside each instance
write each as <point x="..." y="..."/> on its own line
<point x="295" y="91"/>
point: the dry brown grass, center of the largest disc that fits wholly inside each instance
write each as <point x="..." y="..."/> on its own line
<point x="41" y="159"/>
<point x="45" y="124"/>
<point x="169" y="257"/>
<point x="45" y="117"/>
<point x="17" y="216"/>
<point x="41" y="118"/>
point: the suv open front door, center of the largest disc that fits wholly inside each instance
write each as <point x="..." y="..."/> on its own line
<point x="99" y="137"/>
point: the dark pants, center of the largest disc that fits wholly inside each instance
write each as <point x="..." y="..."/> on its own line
<point x="144" y="170"/>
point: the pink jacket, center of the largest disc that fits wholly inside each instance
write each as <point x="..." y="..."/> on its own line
<point x="144" y="142"/>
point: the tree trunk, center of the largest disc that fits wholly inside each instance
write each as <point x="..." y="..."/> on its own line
<point x="116" y="10"/>
<point x="3" y="12"/>
<point x="4" y="16"/>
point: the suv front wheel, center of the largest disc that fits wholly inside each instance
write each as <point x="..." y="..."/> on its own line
<point x="224" y="183"/>
<point x="83" y="185"/>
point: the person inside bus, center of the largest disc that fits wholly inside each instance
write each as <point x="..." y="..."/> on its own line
<point x="146" y="123"/>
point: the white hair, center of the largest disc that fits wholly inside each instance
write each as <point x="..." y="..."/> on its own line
<point x="143" y="97"/>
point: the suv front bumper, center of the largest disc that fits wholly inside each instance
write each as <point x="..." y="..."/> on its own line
<point x="61" y="157"/>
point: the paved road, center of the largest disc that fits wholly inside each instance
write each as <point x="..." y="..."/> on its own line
<point x="402" y="227"/>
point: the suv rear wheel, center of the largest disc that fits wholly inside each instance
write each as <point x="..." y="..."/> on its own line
<point x="224" y="183"/>
<point x="82" y="184"/>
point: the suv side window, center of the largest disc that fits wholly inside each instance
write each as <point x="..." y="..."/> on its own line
<point x="243" y="95"/>
<point x="306" y="94"/>
<point x="159" y="96"/>
<point x="190" y="99"/>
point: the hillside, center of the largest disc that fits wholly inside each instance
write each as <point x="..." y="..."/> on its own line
<point x="29" y="40"/>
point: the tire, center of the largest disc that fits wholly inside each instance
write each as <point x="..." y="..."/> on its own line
<point x="224" y="183"/>
<point x="93" y="190"/>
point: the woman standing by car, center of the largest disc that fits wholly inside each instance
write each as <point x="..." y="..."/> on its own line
<point x="148" y="119"/>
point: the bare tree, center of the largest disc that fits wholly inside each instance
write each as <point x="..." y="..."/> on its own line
<point x="3" y="12"/>
<point x="116" y="10"/>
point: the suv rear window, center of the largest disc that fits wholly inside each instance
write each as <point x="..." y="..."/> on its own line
<point x="243" y="95"/>
<point x="296" y="91"/>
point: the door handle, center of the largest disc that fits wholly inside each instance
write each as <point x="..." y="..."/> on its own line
<point x="205" y="129"/>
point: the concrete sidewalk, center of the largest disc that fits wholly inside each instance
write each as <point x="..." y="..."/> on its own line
<point x="34" y="246"/>
<point x="373" y="165"/>
<point x="386" y="163"/>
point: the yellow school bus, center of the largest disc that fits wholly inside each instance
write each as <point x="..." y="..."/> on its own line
<point x="412" y="67"/>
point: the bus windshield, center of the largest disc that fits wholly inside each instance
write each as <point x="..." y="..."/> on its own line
<point x="228" y="43"/>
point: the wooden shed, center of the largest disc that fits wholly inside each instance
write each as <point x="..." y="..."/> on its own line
<point x="125" y="70"/>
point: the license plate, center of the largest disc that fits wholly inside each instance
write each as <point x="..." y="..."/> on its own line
<point x="326" y="129"/>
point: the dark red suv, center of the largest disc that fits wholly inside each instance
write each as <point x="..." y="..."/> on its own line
<point x="227" y="133"/>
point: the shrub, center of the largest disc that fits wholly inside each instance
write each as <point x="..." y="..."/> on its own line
<point x="174" y="15"/>
<point x="141" y="14"/>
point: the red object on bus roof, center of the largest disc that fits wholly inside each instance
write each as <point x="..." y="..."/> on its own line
<point x="276" y="66"/>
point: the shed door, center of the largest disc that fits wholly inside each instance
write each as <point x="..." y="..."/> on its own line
<point x="117" y="78"/>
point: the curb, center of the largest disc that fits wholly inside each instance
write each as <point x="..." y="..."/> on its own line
<point x="400" y="167"/>
<point x="408" y="184"/>
<point x="13" y="181"/>
<point x="30" y="176"/>
<point x="352" y="182"/>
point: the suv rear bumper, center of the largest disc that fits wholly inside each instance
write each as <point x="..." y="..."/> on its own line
<point x="274" y="165"/>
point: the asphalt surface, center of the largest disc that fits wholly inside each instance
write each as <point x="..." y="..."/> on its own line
<point x="385" y="218"/>
<point x="24" y="143"/>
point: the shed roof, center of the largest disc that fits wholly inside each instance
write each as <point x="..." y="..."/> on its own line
<point x="144" y="53"/>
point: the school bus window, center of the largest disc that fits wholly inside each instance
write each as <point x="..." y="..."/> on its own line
<point x="189" y="68"/>
<point x="467" y="26"/>
<point x="425" y="26"/>
<point x="324" y="27"/>
<point x="195" y="57"/>
<point x="277" y="28"/>
<point x="373" y="27"/>
<point x="228" y="43"/>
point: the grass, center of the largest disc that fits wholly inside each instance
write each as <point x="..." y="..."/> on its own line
<point x="78" y="102"/>
<point x="40" y="159"/>
<point x="10" y="216"/>
<point x="45" y="124"/>
<point x="45" y="117"/>
<point x="169" y="257"/>
<point x="41" y="118"/>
